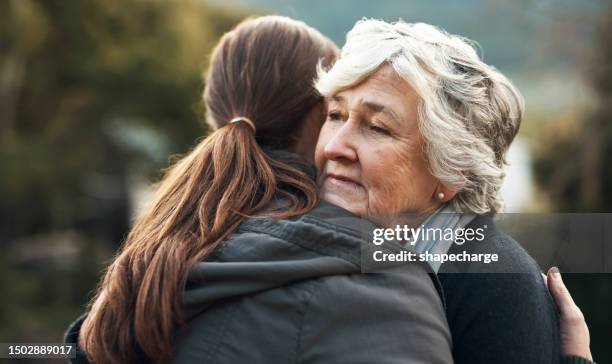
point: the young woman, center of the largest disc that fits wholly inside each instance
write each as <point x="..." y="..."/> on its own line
<point x="235" y="260"/>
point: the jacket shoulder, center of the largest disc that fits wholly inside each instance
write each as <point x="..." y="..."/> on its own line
<point x="367" y="318"/>
<point x="510" y="256"/>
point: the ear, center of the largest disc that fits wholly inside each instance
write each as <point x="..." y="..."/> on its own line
<point x="443" y="193"/>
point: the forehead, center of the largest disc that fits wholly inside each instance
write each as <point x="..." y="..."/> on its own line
<point x="384" y="89"/>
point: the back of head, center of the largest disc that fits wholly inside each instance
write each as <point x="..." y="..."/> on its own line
<point x="262" y="72"/>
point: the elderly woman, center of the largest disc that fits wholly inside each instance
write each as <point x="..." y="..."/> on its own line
<point x="416" y="133"/>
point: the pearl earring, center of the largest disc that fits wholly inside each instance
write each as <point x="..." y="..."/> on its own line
<point x="441" y="195"/>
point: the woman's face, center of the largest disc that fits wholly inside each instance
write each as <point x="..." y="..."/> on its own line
<point x="370" y="153"/>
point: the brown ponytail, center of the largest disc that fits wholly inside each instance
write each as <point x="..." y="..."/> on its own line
<point x="262" y="70"/>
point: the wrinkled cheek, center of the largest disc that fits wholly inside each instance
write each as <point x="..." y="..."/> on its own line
<point x="393" y="193"/>
<point x="388" y="201"/>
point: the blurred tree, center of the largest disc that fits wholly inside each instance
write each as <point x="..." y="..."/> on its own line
<point x="574" y="168"/>
<point x="74" y="78"/>
<point x="574" y="162"/>
<point x="91" y="93"/>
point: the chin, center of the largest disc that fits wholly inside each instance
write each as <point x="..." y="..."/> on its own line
<point x="353" y="207"/>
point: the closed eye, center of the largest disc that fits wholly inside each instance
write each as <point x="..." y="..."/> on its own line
<point x="334" y="115"/>
<point x="379" y="130"/>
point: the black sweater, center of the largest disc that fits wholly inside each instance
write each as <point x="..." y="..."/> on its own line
<point x="500" y="312"/>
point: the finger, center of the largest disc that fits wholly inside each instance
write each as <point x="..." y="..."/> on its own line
<point x="567" y="307"/>
<point x="558" y="290"/>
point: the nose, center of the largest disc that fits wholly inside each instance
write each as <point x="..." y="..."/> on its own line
<point x="341" y="144"/>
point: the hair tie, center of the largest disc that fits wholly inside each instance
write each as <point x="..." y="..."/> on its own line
<point x="246" y="120"/>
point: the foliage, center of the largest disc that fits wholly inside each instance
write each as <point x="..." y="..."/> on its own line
<point x="91" y="93"/>
<point x="574" y="165"/>
<point x="574" y="169"/>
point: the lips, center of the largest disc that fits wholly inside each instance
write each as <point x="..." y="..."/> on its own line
<point x="341" y="180"/>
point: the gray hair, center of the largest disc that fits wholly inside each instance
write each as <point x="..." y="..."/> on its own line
<point x="469" y="112"/>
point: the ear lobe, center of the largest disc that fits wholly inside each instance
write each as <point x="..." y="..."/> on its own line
<point x="449" y="193"/>
<point x="444" y="194"/>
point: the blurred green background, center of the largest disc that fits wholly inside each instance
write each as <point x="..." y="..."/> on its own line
<point x="96" y="96"/>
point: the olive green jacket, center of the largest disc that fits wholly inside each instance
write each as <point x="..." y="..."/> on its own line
<point x="293" y="291"/>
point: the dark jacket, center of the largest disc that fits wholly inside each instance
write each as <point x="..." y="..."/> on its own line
<point x="499" y="312"/>
<point x="292" y="291"/>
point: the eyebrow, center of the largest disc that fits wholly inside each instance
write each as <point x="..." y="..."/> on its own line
<point x="338" y="99"/>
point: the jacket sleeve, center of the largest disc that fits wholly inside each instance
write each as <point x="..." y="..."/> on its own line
<point x="388" y="318"/>
<point x="71" y="336"/>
